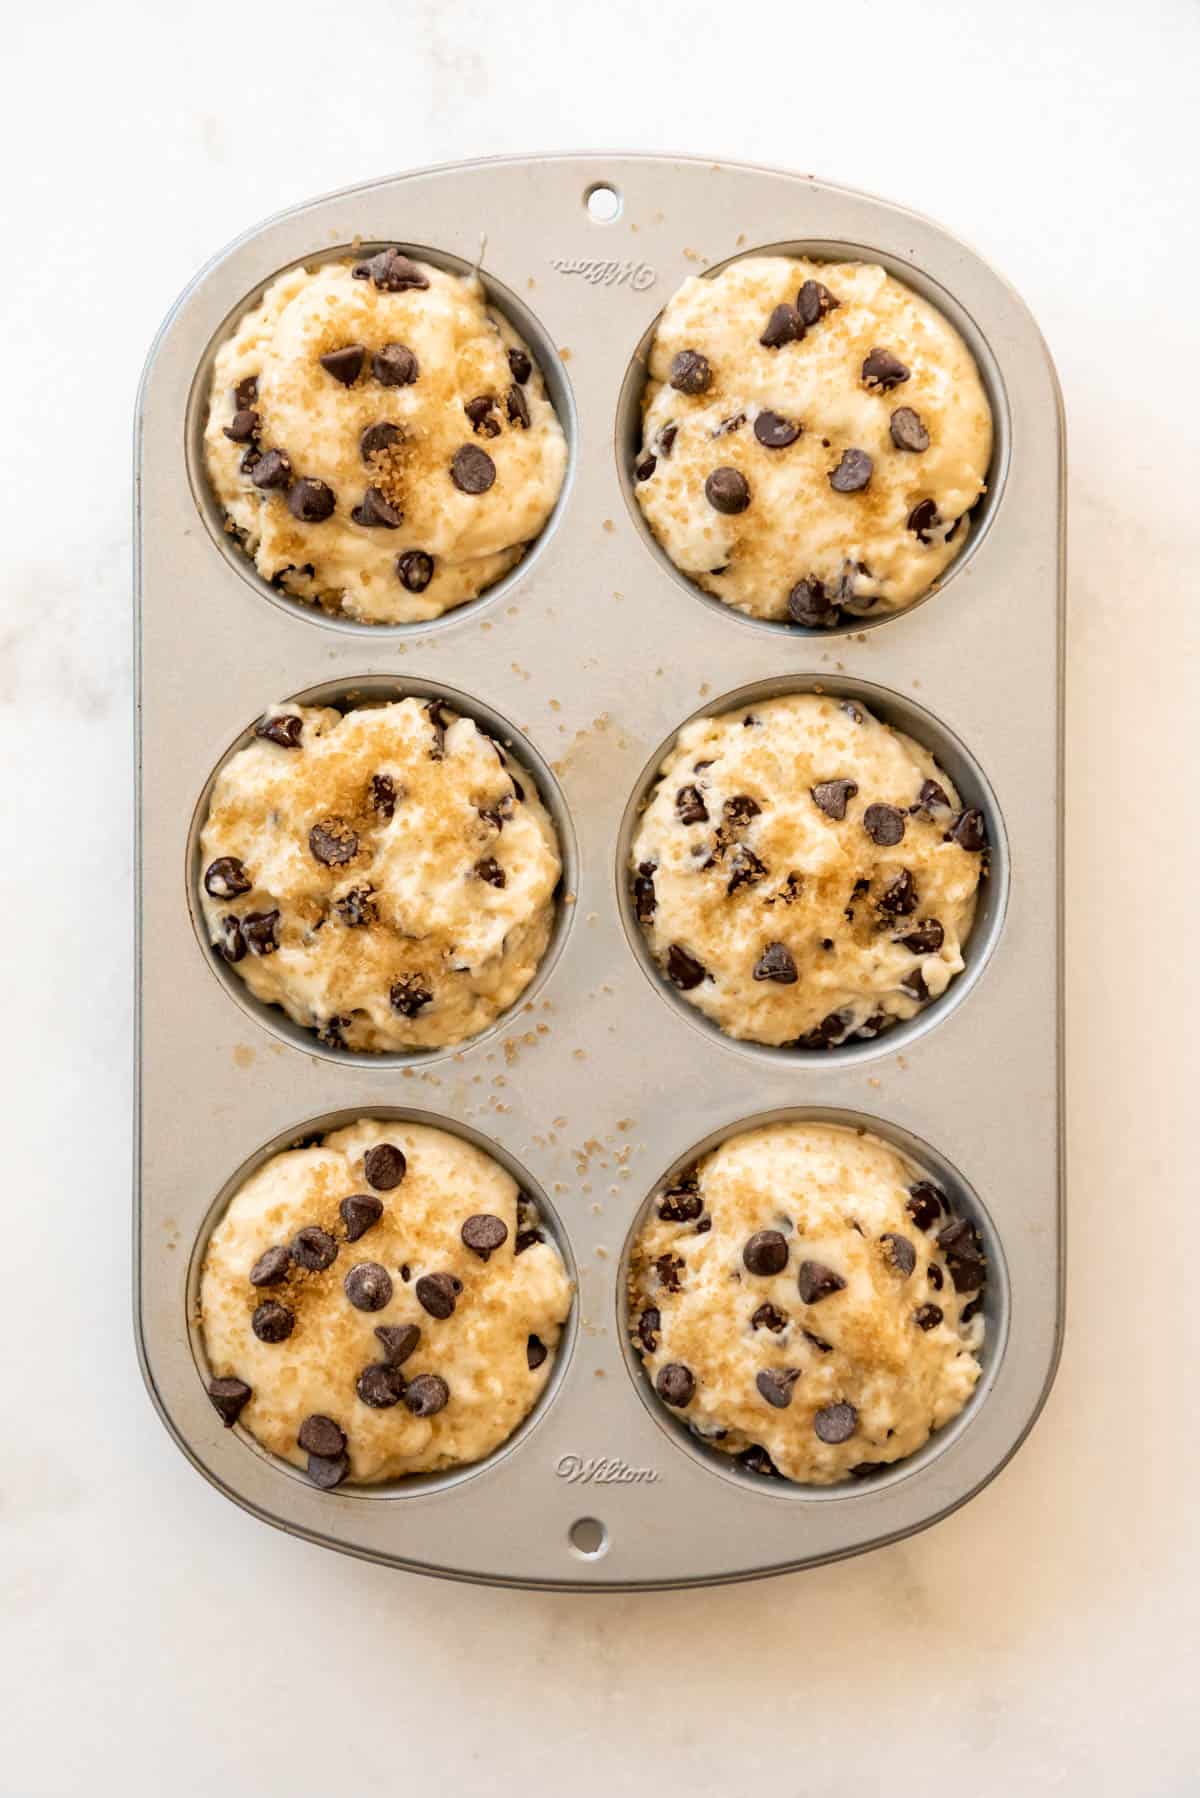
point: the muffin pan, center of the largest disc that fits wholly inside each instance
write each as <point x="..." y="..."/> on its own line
<point x="590" y="655"/>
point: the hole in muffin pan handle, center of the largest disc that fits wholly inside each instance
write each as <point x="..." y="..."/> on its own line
<point x="603" y="202"/>
<point x="588" y="1538"/>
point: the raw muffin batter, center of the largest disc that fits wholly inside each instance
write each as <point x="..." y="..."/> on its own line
<point x="804" y="1300"/>
<point x="383" y="1304"/>
<point x="805" y="874"/>
<point x="387" y="877"/>
<point x="813" y="435"/>
<point x="380" y="438"/>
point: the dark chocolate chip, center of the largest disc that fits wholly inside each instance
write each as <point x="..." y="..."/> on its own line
<point x="258" y="928"/>
<point x="908" y="433"/>
<point x="785" y="325"/>
<point x="332" y="842"/>
<point x="489" y="870"/>
<point x="775" y="1385"/>
<point x="427" y="1395"/>
<point x="825" y="1034"/>
<point x="728" y="425"/>
<point x="814" y="300"/>
<point x="922" y="519"/>
<point x="832" y="796"/>
<point x="667" y="1268"/>
<point x="899" y="1253"/>
<point x="959" y="1242"/>
<point x="271" y="1266"/>
<point x="741" y="808"/>
<point x="232" y="945"/>
<point x="727" y="491"/>
<point x="250" y="460"/>
<point x="472" y="469"/>
<point x="766" y="1252"/>
<point x="395" y="365"/>
<point x="971" y="1309"/>
<point x="314" y="1249"/>
<point x="244" y="427"/>
<point x="327" y="1472"/>
<point x="835" y="1423"/>
<point x="273" y="469"/>
<point x="377" y="438"/>
<point x="438" y="1293"/>
<point x="817" y="1282"/>
<point x="665" y="441"/>
<point x="312" y="502"/>
<point x="675" y="1384"/>
<point x="899" y="897"/>
<point x="689" y="804"/>
<point x="484" y="1233"/>
<point x="926" y="939"/>
<point x="391" y="271"/>
<point x="415" y="568"/>
<point x="928" y="1317"/>
<point x="226" y="878"/>
<point x="934" y="1275"/>
<point x="368" y="1286"/>
<point x="228" y="1397"/>
<point x="925" y="1204"/>
<point x="399" y="1341"/>
<point x="383" y="795"/>
<point x="645" y="899"/>
<point x="769" y="1317"/>
<point x="360" y="1213"/>
<point x="884" y="824"/>
<point x="482" y="413"/>
<point x="853" y="472"/>
<point x="245" y="394"/>
<point x="272" y="1322"/>
<point x="931" y="798"/>
<point x="683" y="970"/>
<point x="376" y="512"/>
<point x="810" y="605"/>
<point x="320" y="1435"/>
<point x="914" y="983"/>
<point x="409" y="995"/>
<point x="384" y="1165"/>
<point x="883" y="371"/>
<point x="776" y="963"/>
<point x="648" y="1326"/>
<point x="690" y="372"/>
<point x="969" y="831"/>
<point x="755" y="1459"/>
<point x="681" y="1205"/>
<point x="535" y="1352"/>
<point x="356" y="908"/>
<point x="818" y="1342"/>
<point x="345" y="365"/>
<point x="519" y="366"/>
<point x="645" y="468"/>
<point x="517" y="407"/>
<point x="774" y="431"/>
<point x="285" y="730"/>
<point x="380" y="1385"/>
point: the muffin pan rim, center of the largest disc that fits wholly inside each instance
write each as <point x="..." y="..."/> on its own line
<point x="455" y="1534"/>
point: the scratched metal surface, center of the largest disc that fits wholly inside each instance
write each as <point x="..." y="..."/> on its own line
<point x="591" y="654"/>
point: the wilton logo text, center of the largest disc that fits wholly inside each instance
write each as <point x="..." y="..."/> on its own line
<point x="597" y="1470"/>
<point x="638" y="275"/>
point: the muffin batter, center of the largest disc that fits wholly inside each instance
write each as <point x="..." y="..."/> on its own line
<point x="805" y="1301"/>
<point x="813" y="437"/>
<point x="387" y="876"/>
<point x="805" y="874"/>
<point x="380" y="1305"/>
<point x="380" y="438"/>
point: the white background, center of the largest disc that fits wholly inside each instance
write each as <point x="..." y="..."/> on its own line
<point x="1044" y="1638"/>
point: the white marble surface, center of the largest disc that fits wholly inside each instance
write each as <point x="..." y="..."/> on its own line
<point x="1044" y="1639"/>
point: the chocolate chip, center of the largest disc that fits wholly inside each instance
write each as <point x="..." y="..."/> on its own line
<point x="360" y="1213"/>
<point x="232" y="947"/>
<point x="320" y="1435"/>
<point x="675" y="1384"/>
<point x="769" y="1317"/>
<point x="327" y="1472"/>
<point x="258" y="928"/>
<point x="899" y="897"/>
<point x="377" y="438"/>
<point x="926" y="939"/>
<point x="356" y="908"/>
<point x="690" y="372"/>
<point x="832" y="796"/>
<point x="311" y="501"/>
<point x="928" y="1317"/>
<point x="376" y="512"/>
<point x="914" y="984"/>
<point x="472" y="469"/>
<point x="645" y="468"/>
<point x="648" y="1326"/>
<point x="285" y="730"/>
<point x="884" y="825"/>
<point x="785" y="325"/>
<point x="391" y="271"/>
<point x="883" y="371"/>
<point x="931" y="798"/>
<point x="489" y="870"/>
<point x="345" y="365"/>
<point x="395" y="365"/>
<point x="766" y="1252"/>
<point x="825" y="1034"/>
<point x="853" y="472"/>
<point x="959" y="1242"/>
<point x="380" y="1385"/>
<point x="274" y="469"/>
<point x="314" y="1249"/>
<point x="680" y="1205"/>
<point x="245" y="394"/>
<point x="971" y="1309"/>
<point x="729" y="425"/>
<point x="741" y="808"/>
<point x="519" y="366"/>
<point x="835" y="1423"/>
<point x="776" y="963"/>
<point x="482" y="413"/>
<point x="438" y="1293"/>
<point x="922" y="519"/>
<point x="484" y="1233"/>
<point x="226" y="878"/>
<point x="535" y="1352"/>
<point x="244" y="427"/>
<point x="384" y="1166"/>
<point x="774" y="431"/>
<point x="689" y="804"/>
<point x="665" y="441"/>
<point x="899" y="1253"/>
<point x="810" y="605"/>
<point x="517" y="407"/>
<point x="332" y="842"/>
<point x="775" y="1385"/>
<point x="250" y="460"/>
<point x="645" y="899"/>
<point x="933" y="1274"/>
<point x="814" y="300"/>
<point x="908" y="433"/>
<point x="727" y="491"/>
<point x="272" y="1322"/>
<point x="415" y="569"/>
<point x="399" y="1341"/>
<point x="383" y="795"/>
<point x="228" y="1397"/>
<point x="817" y="1282"/>
<point x="683" y="970"/>
<point x="427" y="1395"/>
<point x="969" y="831"/>
<point x="271" y="1266"/>
<point x="667" y="1268"/>
<point x="409" y="995"/>
<point x="925" y="1204"/>
<point x="368" y="1286"/>
<point x="818" y="1342"/>
<point x="755" y="1459"/>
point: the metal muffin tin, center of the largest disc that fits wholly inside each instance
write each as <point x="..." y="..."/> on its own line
<point x="601" y="1082"/>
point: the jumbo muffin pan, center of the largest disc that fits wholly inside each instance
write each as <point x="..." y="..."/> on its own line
<point x="588" y="657"/>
